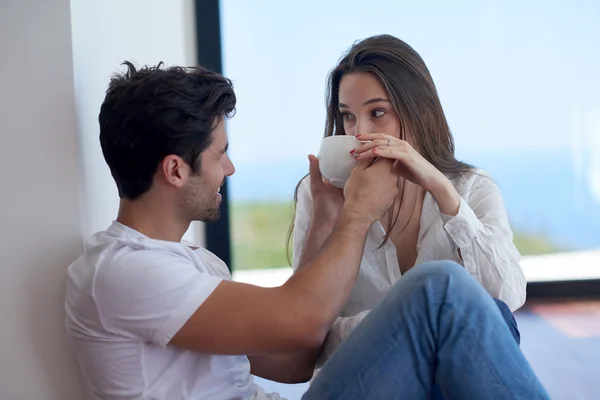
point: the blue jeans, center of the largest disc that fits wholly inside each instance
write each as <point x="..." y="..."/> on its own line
<point x="436" y="393"/>
<point x="437" y="325"/>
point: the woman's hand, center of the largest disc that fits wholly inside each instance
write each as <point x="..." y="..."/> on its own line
<point x="327" y="199"/>
<point x="412" y="166"/>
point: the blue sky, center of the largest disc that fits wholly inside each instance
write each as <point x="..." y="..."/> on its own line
<point x="511" y="75"/>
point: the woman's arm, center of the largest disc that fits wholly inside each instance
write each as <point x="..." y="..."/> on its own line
<point x="478" y="229"/>
<point x="483" y="240"/>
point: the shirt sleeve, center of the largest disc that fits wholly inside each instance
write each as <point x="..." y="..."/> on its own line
<point x="302" y="218"/>
<point x="149" y="294"/>
<point x="484" y="242"/>
<point x="339" y="331"/>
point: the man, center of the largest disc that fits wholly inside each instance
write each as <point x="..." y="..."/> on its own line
<point x="151" y="318"/>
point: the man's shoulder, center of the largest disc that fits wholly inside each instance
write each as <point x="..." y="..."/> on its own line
<point x="212" y="263"/>
<point x="109" y="256"/>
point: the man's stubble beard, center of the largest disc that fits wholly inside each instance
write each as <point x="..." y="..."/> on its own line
<point x="200" y="206"/>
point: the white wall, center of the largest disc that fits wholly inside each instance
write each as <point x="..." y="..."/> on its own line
<point x="39" y="208"/>
<point x="105" y="33"/>
<point x="56" y="57"/>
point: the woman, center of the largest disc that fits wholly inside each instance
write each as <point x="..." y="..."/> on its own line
<point x="382" y="93"/>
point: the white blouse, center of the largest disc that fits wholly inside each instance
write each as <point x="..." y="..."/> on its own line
<point x="480" y="230"/>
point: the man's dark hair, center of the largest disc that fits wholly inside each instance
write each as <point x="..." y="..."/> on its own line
<point x="152" y="112"/>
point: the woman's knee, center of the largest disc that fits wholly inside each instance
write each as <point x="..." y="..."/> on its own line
<point x="434" y="278"/>
<point x="440" y="269"/>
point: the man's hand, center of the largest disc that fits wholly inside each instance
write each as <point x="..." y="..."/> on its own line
<point x="327" y="199"/>
<point x="371" y="189"/>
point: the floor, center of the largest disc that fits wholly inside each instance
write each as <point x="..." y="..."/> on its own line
<point x="561" y="340"/>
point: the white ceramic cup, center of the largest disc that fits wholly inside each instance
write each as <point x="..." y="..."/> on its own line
<point x="335" y="160"/>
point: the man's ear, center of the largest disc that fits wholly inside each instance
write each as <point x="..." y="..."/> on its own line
<point x="174" y="171"/>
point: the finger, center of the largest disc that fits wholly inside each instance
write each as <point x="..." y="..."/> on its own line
<point x="368" y="155"/>
<point x="390" y="152"/>
<point x="368" y="146"/>
<point x="374" y="136"/>
<point x="393" y="153"/>
<point x="316" y="179"/>
<point x="382" y="139"/>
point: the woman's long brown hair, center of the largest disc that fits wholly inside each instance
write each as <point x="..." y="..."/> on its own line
<point x="414" y="97"/>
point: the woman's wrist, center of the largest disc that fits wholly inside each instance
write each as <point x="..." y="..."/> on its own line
<point x="447" y="197"/>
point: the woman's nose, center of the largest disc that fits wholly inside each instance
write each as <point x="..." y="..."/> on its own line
<point x="362" y="126"/>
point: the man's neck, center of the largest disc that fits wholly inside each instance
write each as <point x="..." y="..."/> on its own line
<point x="156" y="222"/>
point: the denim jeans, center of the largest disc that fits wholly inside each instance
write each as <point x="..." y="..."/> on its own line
<point x="436" y="325"/>
<point x="436" y="393"/>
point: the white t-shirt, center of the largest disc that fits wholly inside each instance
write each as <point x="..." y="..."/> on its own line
<point x="127" y="296"/>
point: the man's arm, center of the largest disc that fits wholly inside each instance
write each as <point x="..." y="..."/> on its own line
<point x="238" y="318"/>
<point x="284" y="368"/>
<point x="296" y="367"/>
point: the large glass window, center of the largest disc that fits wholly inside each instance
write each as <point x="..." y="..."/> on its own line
<point x="519" y="83"/>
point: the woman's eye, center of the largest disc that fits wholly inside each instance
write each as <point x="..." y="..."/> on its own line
<point x="377" y="113"/>
<point x="347" y="116"/>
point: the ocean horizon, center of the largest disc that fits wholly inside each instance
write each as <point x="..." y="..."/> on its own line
<point x="544" y="192"/>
